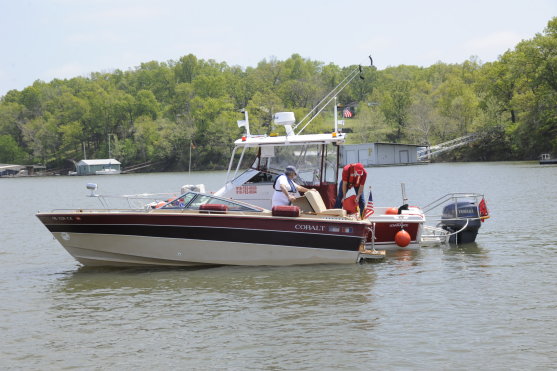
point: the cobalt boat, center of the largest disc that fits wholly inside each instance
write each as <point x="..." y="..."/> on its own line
<point x="196" y="229"/>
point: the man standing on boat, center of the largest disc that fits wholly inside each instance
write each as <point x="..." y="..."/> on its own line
<point x="285" y="188"/>
<point x="353" y="175"/>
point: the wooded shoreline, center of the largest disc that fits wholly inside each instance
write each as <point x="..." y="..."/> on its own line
<point x="159" y="111"/>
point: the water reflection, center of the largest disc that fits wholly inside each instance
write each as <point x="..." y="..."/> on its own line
<point x="229" y="310"/>
<point x="402" y="255"/>
<point x="266" y="287"/>
<point x="471" y="248"/>
<point x="226" y="279"/>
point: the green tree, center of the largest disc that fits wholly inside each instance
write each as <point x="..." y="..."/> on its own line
<point x="423" y="119"/>
<point x="458" y="103"/>
<point x="11" y="119"/>
<point x="186" y="69"/>
<point x="395" y="105"/>
<point x="261" y="109"/>
<point x="146" y="136"/>
<point x="41" y="136"/>
<point x="10" y="151"/>
<point x="146" y="104"/>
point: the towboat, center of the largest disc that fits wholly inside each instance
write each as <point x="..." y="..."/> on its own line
<point x="199" y="229"/>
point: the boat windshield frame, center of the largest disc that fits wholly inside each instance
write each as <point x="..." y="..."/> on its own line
<point x="193" y="200"/>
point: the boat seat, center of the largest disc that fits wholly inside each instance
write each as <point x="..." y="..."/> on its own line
<point x="283" y="210"/>
<point x="316" y="202"/>
<point x="213" y="209"/>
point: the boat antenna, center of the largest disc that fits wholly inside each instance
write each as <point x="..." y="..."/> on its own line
<point x="324" y="102"/>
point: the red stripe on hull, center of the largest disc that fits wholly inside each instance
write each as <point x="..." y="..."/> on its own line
<point x="331" y="227"/>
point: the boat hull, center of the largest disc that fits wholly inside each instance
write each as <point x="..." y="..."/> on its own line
<point x="119" y="250"/>
<point x="147" y="239"/>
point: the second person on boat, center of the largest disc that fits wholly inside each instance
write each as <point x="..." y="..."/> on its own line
<point x="285" y="188"/>
<point x="353" y="176"/>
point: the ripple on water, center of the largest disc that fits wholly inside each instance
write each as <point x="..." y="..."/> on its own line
<point x="489" y="305"/>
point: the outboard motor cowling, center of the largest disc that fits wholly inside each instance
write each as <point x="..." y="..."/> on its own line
<point x="458" y="215"/>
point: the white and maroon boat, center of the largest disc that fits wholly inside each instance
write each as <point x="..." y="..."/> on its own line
<point x="202" y="229"/>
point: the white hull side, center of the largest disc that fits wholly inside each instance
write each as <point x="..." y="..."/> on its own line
<point x="123" y="250"/>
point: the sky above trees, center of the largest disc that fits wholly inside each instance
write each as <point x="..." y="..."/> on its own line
<point x="46" y="39"/>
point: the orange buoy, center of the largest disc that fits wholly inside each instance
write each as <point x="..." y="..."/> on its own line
<point x="391" y="211"/>
<point x="402" y="238"/>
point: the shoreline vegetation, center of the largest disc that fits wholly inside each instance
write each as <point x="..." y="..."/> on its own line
<point x="162" y="111"/>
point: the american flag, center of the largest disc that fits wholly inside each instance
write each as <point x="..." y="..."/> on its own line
<point x="347" y="113"/>
<point x="368" y="211"/>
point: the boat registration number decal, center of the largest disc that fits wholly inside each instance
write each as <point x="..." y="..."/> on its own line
<point x="246" y="190"/>
<point x="62" y="218"/>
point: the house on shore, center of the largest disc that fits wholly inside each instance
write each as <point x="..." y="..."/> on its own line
<point x="10" y="170"/>
<point x="98" y="167"/>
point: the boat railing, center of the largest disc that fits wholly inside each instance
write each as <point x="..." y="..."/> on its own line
<point x="104" y="210"/>
<point x="437" y="234"/>
<point x="134" y="202"/>
<point x="454" y="197"/>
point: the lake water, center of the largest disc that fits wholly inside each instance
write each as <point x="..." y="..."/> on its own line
<point x="488" y="305"/>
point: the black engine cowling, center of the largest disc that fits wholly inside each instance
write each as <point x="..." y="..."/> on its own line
<point x="456" y="216"/>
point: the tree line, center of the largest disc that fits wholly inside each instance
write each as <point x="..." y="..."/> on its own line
<point x="160" y="111"/>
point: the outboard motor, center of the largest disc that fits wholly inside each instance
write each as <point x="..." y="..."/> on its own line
<point x="456" y="215"/>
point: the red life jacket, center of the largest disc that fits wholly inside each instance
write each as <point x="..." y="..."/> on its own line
<point x="354" y="179"/>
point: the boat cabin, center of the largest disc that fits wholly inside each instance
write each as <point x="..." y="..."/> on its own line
<point x="315" y="156"/>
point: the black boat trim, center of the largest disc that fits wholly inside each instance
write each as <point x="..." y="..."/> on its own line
<point x="294" y="239"/>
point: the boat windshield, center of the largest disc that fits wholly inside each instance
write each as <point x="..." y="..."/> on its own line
<point x="307" y="159"/>
<point x="193" y="200"/>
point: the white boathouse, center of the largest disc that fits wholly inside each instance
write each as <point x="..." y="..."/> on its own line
<point x="91" y="167"/>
